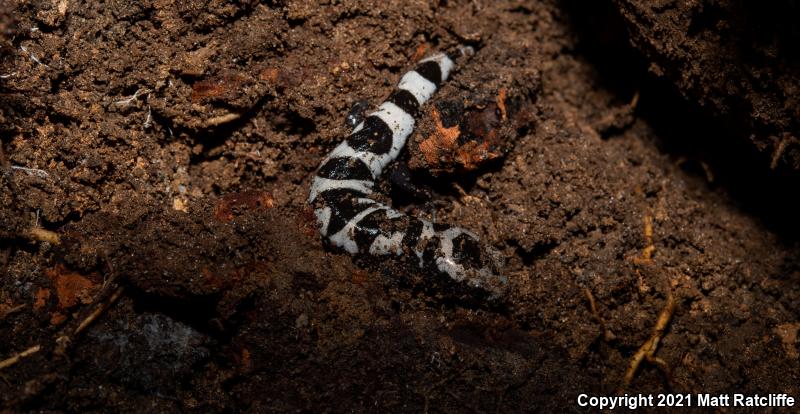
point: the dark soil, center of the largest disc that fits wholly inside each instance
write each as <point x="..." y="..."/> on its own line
<point x="737" y="60"/>
<point x="170" y="146"/>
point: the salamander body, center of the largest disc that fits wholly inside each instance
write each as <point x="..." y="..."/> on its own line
<point x="350" y="220"/>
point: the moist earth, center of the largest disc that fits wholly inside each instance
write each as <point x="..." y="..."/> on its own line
<point x="157" y="253"/>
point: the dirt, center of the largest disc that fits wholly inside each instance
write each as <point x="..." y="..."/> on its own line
<point x="756" y="67"/>
<point x="155" y="243"/>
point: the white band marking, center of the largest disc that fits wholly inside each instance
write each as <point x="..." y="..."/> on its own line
<point x="324" y="184"/>
<point x="421" y="88"/>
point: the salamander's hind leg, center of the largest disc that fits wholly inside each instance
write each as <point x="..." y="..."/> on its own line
<point x="400" y="179"/>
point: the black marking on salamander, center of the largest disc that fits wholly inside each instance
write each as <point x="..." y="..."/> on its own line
<point x="346" y="210"/>
<point x="431" y="71"/>
<point x="375" y="137"/>
<point x="352" y="221"/>
<point x="406" y="101"/>
<point x="344" y="168"/>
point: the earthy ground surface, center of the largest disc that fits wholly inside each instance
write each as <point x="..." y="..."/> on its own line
<point x="754" y="85"/>
<point x="156" y="157"/>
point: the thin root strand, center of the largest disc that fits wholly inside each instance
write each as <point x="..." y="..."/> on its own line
<point x="648" y="349"/>
<point x="16" y="358"/>
<point x="607" y="334"/>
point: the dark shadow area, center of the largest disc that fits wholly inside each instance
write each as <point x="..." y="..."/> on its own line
<point x="712" y="149"/>
<point x="686" y="132"/>
<point x="603" y="41"/>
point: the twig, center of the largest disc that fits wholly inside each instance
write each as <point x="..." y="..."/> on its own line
<point x="9" y="311"/>
<point x="14" y="359"/>
<point x="63" y="341"/>
<point x="102" y="308"/>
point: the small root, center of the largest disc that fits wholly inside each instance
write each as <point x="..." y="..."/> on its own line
<point x="780" y="149"/>
<point x="707" y="170"/>
<point x="33" y="57"/>
<point x="607" y="334"/>
<point x="129" y="100"/>
<point x="148" y="121"/>
<point x="16" y="358"/>
<point x="649" y="247"/>
<point x="620" y="117"/>
<point x="63" y="341"/>
<point x="648" y="349"/>
<point x="31" y="171"/>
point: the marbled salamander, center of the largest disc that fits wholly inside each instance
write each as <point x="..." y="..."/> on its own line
<point x="351" y="221"/>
